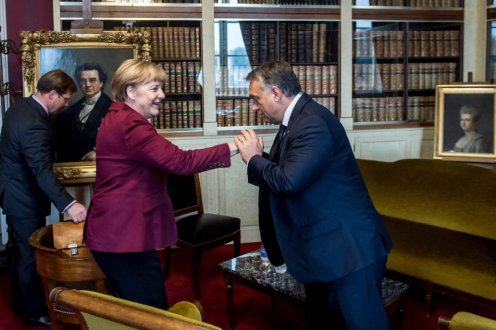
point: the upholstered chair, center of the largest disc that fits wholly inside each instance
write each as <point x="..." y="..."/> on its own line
<point x="101" y="311"/>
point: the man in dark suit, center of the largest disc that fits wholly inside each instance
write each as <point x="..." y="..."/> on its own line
<point x="315" y="213"/>
<point x="28" y="184"/>
<point x="77" y="127"/>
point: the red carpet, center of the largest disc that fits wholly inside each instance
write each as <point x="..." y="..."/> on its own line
<point x="253" y="310"/>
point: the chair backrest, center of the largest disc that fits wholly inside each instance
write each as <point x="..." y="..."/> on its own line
<point x="101" y="311"/>
<point x="185" y="194"/>
<point x="54" y="266"/>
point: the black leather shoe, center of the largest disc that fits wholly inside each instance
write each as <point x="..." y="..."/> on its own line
<point x="42" y="320"/>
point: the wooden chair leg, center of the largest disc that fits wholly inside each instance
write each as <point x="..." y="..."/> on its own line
<point x="195" y="272"/>
<point x="237" y="246"/>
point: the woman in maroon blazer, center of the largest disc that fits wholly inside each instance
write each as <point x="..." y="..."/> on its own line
<point x="131" y="213"/>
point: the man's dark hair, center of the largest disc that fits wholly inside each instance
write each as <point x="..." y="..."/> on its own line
<point x="91" y="66"/>
<point x="56" y="80"/>
<point x="276" y="73"/>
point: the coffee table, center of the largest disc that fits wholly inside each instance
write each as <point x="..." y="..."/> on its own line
<point x="249" y="270"/>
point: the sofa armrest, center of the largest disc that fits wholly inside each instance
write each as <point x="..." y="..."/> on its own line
<point x="466" y="321"/>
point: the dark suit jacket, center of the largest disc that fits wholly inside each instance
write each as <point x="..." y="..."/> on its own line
<point x="27" y="180"/>
<point x="73" y="139"/>
<point x="324" y="221"/>
<point x="131" y="210"/>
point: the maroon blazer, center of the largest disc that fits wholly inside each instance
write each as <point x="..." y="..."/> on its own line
<point x="131" y="210"/>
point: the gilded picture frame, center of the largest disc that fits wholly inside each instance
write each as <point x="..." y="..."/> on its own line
<point x="45" y="50"/>
<point x="465" y="121"/>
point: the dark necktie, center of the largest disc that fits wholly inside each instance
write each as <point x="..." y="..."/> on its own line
<point x="282" y="130"/>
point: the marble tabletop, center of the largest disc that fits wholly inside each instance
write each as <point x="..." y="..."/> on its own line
<point x="250" y="267"/>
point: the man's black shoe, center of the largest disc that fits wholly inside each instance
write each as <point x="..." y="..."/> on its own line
<point x="42" y="320"/>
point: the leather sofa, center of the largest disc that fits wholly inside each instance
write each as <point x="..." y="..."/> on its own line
<point x="442" y="219"/>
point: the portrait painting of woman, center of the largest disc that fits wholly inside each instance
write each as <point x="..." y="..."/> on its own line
<point x="472" y="140"/>
<point x="467" y="123"/>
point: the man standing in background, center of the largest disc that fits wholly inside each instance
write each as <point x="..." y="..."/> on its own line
<point x="28" y="184"/>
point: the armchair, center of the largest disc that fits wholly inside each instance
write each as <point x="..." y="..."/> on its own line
<point x="100" y="311"/>
<point x="57" y="268"/>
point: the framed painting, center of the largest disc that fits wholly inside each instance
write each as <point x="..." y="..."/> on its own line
<point x="465" y="123"/>
<point x="43" y="51"/>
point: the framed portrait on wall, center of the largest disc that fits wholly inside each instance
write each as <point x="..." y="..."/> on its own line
<point x="43" y="51"/>
<point x="465" y="123"/>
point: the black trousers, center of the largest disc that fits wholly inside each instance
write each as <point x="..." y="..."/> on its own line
<point x="353" y="302"/>
<point x="28" y="299"/>
<point x="135" y="276"/>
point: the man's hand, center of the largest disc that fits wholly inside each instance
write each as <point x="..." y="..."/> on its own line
<point x="77" y="212"/>
<point x="249" y="144"/>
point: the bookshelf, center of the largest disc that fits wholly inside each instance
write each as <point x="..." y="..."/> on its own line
<point x="175" y="45"/>
<point x="491" y="42"/>
<point x="411" y="3"/>
<point x="400" y="50"/>
<point x="397" y="64"/>
<point x="310" y="47"/>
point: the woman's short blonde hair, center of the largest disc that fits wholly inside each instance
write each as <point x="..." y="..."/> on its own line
<point x="134" y="72"/>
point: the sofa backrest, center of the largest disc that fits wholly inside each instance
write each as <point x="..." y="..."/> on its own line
<point x="450" y="195"/>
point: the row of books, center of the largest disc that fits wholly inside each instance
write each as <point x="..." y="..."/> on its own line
<point x="317" y="79"/>
<point x="379" y="109"/>
<point x="378" y="43"/>
<point x="387" y="109"/>
<point x="230" y="81"/>
<point x="181" y="76"/>
<point x="282" y="2"/>
<point x="238" y="111"/>
<point x="297" y="42"/>
<point x="314" y="79"/>
<point x="390" y="77"/>
<point x="383" y="44"/>
<point x="172" y="42"/>
<point x="434" y="43"/>
<point x="179" y="114"/>
<point x="421" y="108"/>
<point x="428" y="75"/>
<point x="141" y="1"/>
<point x="414" y="3"/>
<point x="378" y="77"/>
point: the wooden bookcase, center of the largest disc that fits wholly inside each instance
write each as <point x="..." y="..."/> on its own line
<point x="310" y="47"/>
<point x="491" y="42"/>
<point x="392" y="85"/>
<point x="397" y="66"/>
